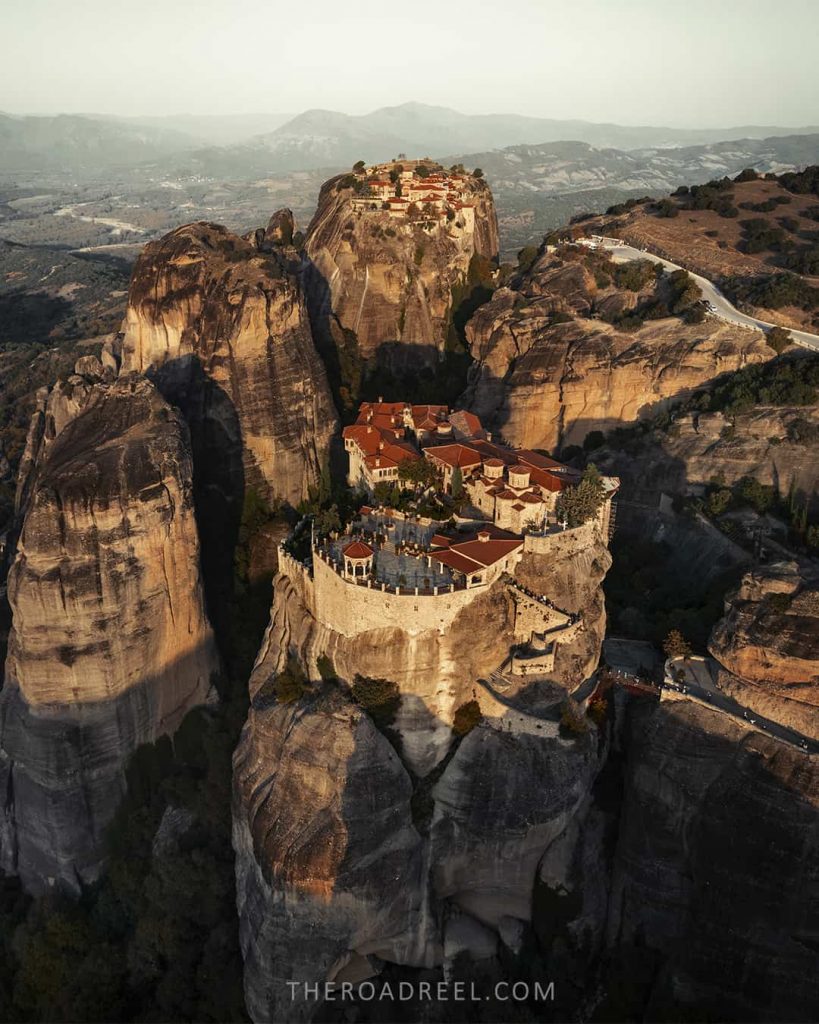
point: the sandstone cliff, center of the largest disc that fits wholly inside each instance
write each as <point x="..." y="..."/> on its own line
<point x="716" y="881"/>
<point x="110" y="645"/>
<point x="768" y="644"/>
<point x="382" y="289"/>
<point x="220" y="324"/>
<point x="415" y="843"/>
<point x="548" y="370"/>
<point x="703" y="447"/>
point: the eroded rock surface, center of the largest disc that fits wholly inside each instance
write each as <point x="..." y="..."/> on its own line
<point x="768" y="645"/>
<point x="381" y="288"/>
<point x="549" y="370"/>
<point x="110" y="645"/>
<point x="222" y="328"/>
<point x="716" y="877"/>
<point x="358" y="848"/>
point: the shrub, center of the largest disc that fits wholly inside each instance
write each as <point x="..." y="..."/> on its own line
<point x="290" y="684"/>
<point x="380" y="698"/>
<point x="466" y="717"/>
<point x="676" y="646"/>
<point x="477" y="173"/>
<point x="634" y="275"/>
<point x="779" y="602"/>
<point x="666" y="208"/>
<point x="778" y="339"/>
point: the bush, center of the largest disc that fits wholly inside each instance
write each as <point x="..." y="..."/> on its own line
<point x="466" y="717"/>
<point x="666" y="208"/>
<point x="779" y="602"/>
<point x="290" y="684"/>
<point x="380" y="698"/>
<point x="676" y="646"/>
<point x="635" y="275"/>
<point x="778" y="339"/>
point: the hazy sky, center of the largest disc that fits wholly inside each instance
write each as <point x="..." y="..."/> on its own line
<point x="674" y="62"/>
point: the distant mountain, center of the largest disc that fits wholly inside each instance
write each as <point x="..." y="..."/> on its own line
<point x="573" y="166"/>
<point x="328" y="138"/>
<point x="249" y="146"/>
<point x="72" y="143"/>
<point x="540" y="187"/>
<point x="214" y="129"/>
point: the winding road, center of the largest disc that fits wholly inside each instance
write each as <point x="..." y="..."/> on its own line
<point x="622" y="253"/>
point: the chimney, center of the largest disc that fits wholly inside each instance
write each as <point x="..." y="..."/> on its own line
<point x="377" y="461"/>
<point x="483" y="536"/>
<point x="380" y="399"/>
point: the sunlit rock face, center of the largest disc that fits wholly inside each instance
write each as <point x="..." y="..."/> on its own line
<point x="360" y="846"/>
<point x="768" y="644"/>
<point x="110" y="644"/>
<point x="220" y="324"/>
<point x="548" y="370"/>
<point x="382" y="289"/>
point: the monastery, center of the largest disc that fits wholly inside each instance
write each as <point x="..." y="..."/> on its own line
<point x="514" y="489"/>
<point x="441" y="196"/>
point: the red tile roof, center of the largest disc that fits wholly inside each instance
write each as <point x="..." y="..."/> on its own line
<point x="358" y="549"/>
<point x="454" y="455"/>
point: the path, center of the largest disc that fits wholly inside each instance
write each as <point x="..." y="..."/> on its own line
<point x="699" y="682"/>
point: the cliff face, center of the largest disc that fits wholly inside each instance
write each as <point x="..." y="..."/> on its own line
<point x="381" y="288"/>
<point x="768" y="644"/>
<point x="544" y="383"/>
<point x="716" y="879"/>
<point x="220" y="324"/>
<point x="415" y="843"/>
<point x="763" y="444"/>
<point x="110" y="645"/>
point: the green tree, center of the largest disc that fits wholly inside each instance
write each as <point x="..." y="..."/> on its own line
<point x="457" y="482"/>
<point x="359" y="166"/>
<point x="718" y="501"/>
<point x="581" y="503"/>
<point x="419" y="472"/>
<point x="327" y="520"/>
<point x="676" y="646"/>
<point x="477" y="173"/>
<point x="778" y="339"/>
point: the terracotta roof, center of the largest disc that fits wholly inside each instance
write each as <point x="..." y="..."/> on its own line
<point x="440" y="540"/>
<point x="358" y="549"/>
<point x="487" y="552"/>
<point x="531" y="499"/>
<point x="454" y="455"/>
<point x="466" y="423"/>
<point x="456" y="561"/>
<point x="518" y="468"/>
<point x="506" y="495"/>
<point x="493" y="462"/>
<point x="518" y="507"/>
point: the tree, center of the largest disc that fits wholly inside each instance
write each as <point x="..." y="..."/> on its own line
<point x="359" y="166"/>
<point x="457" y="482"/>
<point x="327" y="520"/>
<point x="290" y="683"/>
<point x="718" y="501"/>
<point x="581" y="503"/>
<point x="778" y="339"/>
<point x="477" y="173"/>
<point x="676" y="646"/>
<point x="422" y="171"/>
<point x="420" y="472"/>
<point x="594" y="439"/>
<point x="526" y="257"/>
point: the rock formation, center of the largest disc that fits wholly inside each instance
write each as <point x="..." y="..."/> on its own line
<point x="768" y="645"/>
<point x="548" y="370"/>
<point x="110" y="645"/>
<point x="382" y="289"/>
<point x="222" y="328"/>
<point x="416" y="842"/>
<point x="716" y="874"/>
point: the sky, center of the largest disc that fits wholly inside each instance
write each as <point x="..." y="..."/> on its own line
<point x="681" y="63"/>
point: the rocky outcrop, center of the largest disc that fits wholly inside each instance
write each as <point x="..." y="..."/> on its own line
<point x="382" y="290"/>
<point x="768" y="645"/>
<point x="716" y="881"/>
<point x="221" y="326"/>
<point x="774" y="445"/>
<point x="417" y="843"/>
<point x="110" y="645"/>
<point x="548" y="370"/>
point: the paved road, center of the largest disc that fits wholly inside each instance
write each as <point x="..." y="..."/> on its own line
<point x="703" y="686"/>
<point x="622" y="253"/>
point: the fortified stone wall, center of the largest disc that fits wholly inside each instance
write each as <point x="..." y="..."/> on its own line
<point x="351" y="609"/>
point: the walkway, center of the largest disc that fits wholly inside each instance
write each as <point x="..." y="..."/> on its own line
<point x="699" y="682"/>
